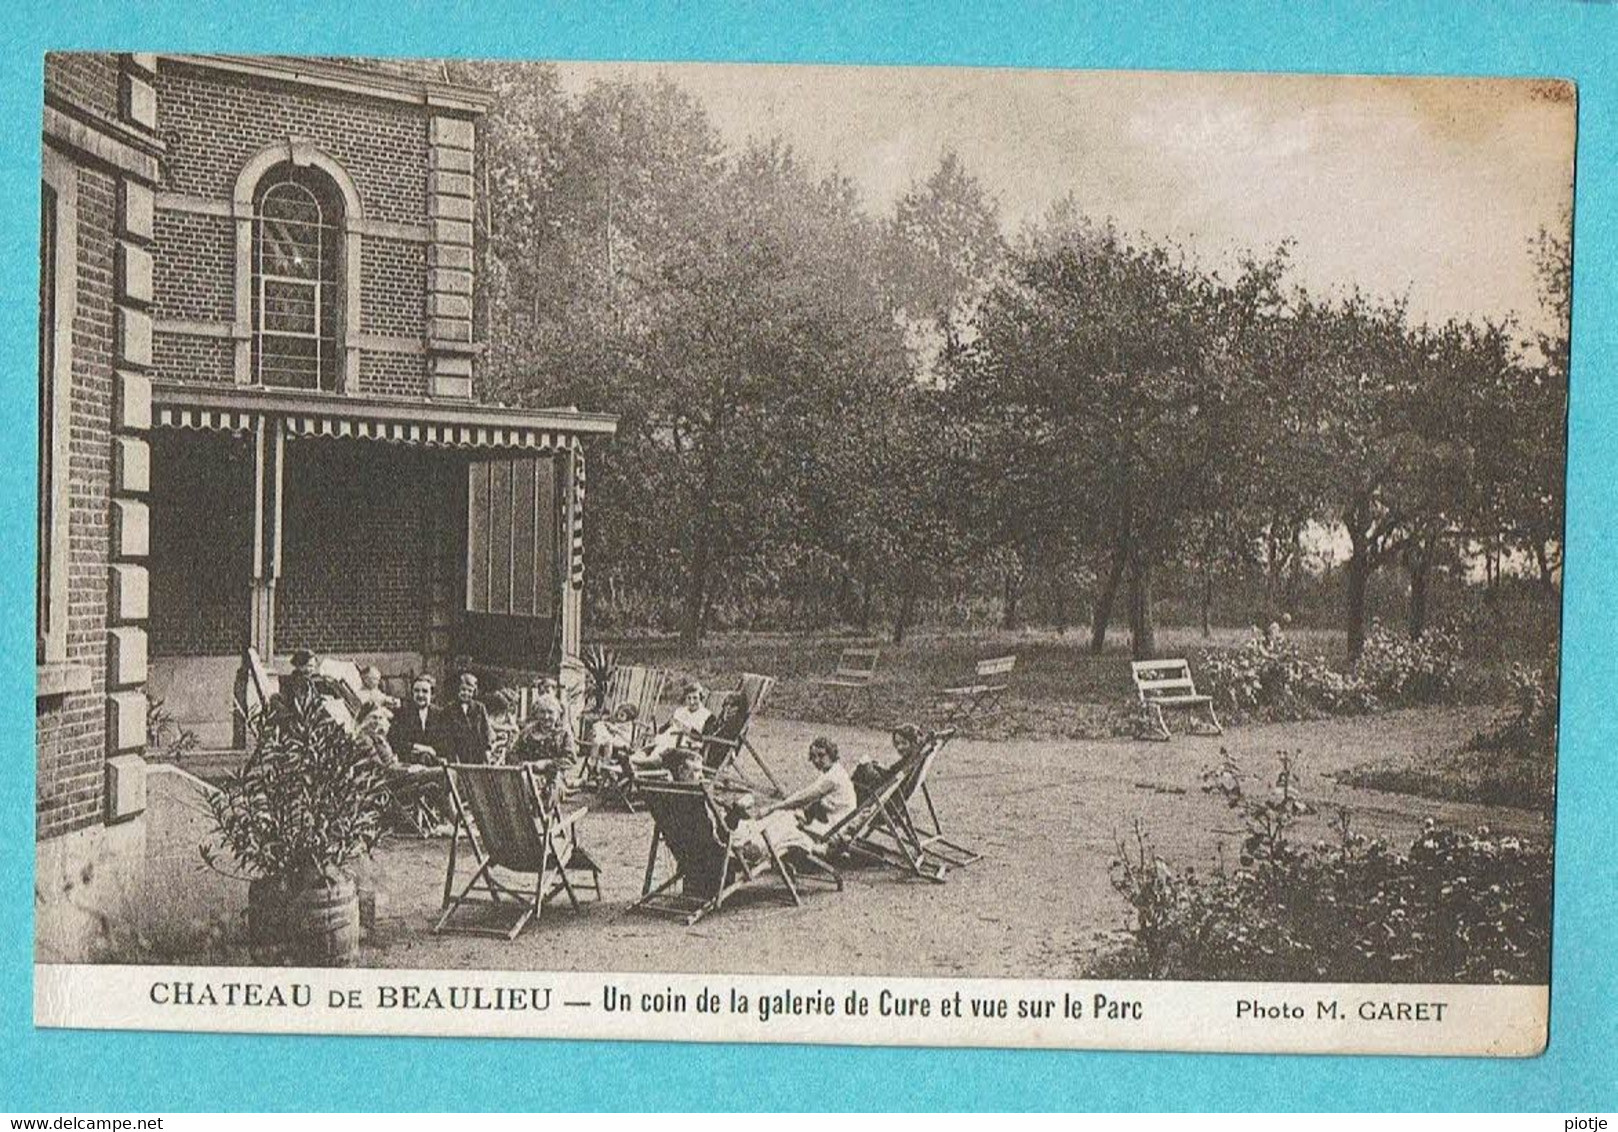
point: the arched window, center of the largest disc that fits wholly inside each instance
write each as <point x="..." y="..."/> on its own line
<point x="297" y="253"/>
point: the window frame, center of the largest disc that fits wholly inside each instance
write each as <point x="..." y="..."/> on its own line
<point x="55" y="674"/>
<point x="327" y="282"/>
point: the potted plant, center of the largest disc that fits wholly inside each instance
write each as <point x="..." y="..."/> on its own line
<point x="598" y="662"/>
<point x="307" y="802"/>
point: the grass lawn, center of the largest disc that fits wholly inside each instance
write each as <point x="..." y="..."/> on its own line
<point x="1058" y="690"/>
<point x="1462" y="774"/>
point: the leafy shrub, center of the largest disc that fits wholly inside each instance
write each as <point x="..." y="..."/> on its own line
<point x="1400" y="670"/>
<point x="1267" y="677"/>
<point x="1452" y="907"/>
<point x="1527" y="727"/>
<point x="308" y="800"/>
<point x="165" y="738"/>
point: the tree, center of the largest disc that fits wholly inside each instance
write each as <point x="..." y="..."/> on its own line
<point x="1113" y="386"/>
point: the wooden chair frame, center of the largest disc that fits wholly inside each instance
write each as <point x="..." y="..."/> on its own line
<point x="756" y="690"/>
<point x="735" y="872"/>
<point x="990" y="679"/>
<point x="929" y="832"/>
<point x="880" y="829"/>
<point x="539" y="853"/>
<point x="855" y="672"/>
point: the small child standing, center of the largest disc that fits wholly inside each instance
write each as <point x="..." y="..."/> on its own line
<point x="371" y="689"/>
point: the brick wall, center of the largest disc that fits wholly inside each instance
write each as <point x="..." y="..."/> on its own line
<point x="393" y="287"/>
<point x="186" y="357"/>
<point x="72" y="729"/>
<point x="393" y="375"/>
<point x="202" y="542"/>
<point x="214" y="122"/>
<point x="195" y="259"/>
<point x="86" y="79"/>
<point x="356" y="549"/>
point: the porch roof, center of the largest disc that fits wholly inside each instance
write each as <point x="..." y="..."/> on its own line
<point x="390" y="419"/>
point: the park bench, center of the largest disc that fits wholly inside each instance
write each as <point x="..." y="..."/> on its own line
<point x="855" y="670"/>
<point x="1168" y="684"/>
<point x="980" y="694"/>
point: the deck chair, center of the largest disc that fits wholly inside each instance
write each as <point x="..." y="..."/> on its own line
<point x="721" y="752"/>
<point x="920" y="816"/>
<point x="979" y="695"/>
<point x="856" y="668"/>
<point x="642" y="686"/>
<point x="511" y="824"/>
<point x="1168" y="684"/>
<point x="879" y="829"/>
<point x="709" y="864"/>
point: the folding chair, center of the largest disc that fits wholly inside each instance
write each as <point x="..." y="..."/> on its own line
<point x="913" y="794"/>
<point x="720" y="751"/>
<point x="411" y="807"/>
<point x="879" y="828"/>
<point x="856" y="668"/>
<point x="513" y="825"/>
<point x="980" y="695"/>
<point x="709" y="864"/>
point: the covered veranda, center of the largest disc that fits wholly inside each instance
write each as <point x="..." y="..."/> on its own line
<point x="413" y="535"/>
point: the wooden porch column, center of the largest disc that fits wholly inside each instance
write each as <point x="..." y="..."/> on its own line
<point x="269" y="458"/>
<point x="572" y="604"/>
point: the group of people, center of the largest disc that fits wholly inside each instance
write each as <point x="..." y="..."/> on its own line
<point x="411" y="741"/>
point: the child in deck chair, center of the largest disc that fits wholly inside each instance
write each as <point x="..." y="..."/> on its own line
<point x="789" y="822"/>
<point x="614" y="735"/>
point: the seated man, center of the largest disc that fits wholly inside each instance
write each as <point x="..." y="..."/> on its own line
<point x="791" y="822"/>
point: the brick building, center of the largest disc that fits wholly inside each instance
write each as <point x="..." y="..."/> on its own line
<point x="259" y="420"/>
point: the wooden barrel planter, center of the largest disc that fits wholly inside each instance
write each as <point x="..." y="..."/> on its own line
<point x="315" y="924"/>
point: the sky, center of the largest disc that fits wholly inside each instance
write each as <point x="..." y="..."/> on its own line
<point x="1428" y="189"/>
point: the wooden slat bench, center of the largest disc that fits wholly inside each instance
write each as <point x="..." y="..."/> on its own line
<point x="1168" y="684"/>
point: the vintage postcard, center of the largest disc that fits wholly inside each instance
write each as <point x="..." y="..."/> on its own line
<point x="807" y="554"/>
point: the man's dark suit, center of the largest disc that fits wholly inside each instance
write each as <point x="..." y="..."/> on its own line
<point x="464" y="733"/>
<point x="407" y="729"/>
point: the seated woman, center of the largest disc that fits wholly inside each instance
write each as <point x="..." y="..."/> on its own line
<point x="690" y="721"/>
<point x="503" y="726"/>
<point x="614" y="735"/>
<point x="725" y="732"/>
<point x="793" y="822"/>
<point x="869" y="775"/>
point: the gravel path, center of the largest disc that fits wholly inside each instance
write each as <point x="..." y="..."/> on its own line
<point x="1043" y="812"/>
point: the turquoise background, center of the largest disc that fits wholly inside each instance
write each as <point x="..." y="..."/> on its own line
<point x="59" y="1071"/>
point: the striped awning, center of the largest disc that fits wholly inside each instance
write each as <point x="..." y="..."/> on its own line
<point x="430" y="434"/>
<point x="427" y="434"/>
<point x="218" y="420"/>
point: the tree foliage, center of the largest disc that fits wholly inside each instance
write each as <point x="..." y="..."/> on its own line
<point x="831" y="412"/>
